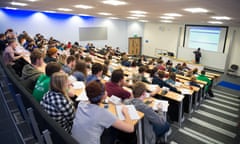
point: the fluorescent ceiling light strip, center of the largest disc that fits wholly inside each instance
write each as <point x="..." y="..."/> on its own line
<point x="173" y="14"/>
<point x="138" y="12"/>
<point x="114" y="2"/>
<point x="167" y="17"/>
<point x="83" y="6"/>
<point x="221" y="18"/>
<point x="18" y="4"/>
<point x="196" y="10"/>
<point x="64" y="9"/>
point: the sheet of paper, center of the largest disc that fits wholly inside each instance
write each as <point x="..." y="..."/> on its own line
<point x="78" y="85"/>
<point x="82" y="96"/>
<point x="106" y="78"/>
<point x="152" y="87"/>
<point x="185" y="91"/>
<point x="178" y="84"/>
<point x="131" y="111"/>
<point x="115" y="100"/>
<point x="160" y="103"/>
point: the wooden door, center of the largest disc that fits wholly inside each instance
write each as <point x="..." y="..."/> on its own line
<point x="134" y="45"/>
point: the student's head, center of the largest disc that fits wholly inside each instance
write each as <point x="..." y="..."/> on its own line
<point x="2" y="36"/>
<point x="139" y="88"/>
<point x="59" y="83"/>
<point x="88" y="59"/>
<point x="117" y="76"/>
<point x="142" y="69"/>
<point x="134" y="63"/>
<point x="62" y="59"/>
<point x="203" y="72"/>
<point x="36" y="57"/>
<point x="71" y="61"/>
<point x="51" y="68"/>
<point x="21" y="39"/>
<point x="52" y="52"/>
<point x="107" y="62"/>
<point x="172" y="76"/>
<point x="12" y="43"/>
<point x="193" y="79"/>
<point x="161" y="74"/>
<point x="95" y="92"/>
<point x="184" y="64"/>
<point x="199" y="49"/>
<point x="81" y="67"/>
<point x="97" y="69"/>
<point x="195" y="71"/>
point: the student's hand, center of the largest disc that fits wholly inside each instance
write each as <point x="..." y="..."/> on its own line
<point x="124" y="110"/>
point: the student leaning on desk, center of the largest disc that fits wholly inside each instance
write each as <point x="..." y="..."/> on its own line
<point x="154" y="124"/>
<point x="91" y="120"/>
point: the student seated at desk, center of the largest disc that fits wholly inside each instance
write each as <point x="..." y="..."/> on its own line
<point x="124" y="60"/>
<point x="154" y="124"/>
<point x="80" y="71"/>
<point x="114" y="87"/>
<point x="31" y="72"/>
<point x="185" y="67"/>
<point x="97" y="70"/>
<point x="193" y="82"/>
<point x="52" y="54"/>
<point x="161" y="65"/>
<point x="171" y="78"/>
<point x="91" y="120"/>
<point x="71" y="62"/>
<point x="57" y="103"/>
<point x="140" y="76"/>
<point x="43" y="81"/>
<point x="159" y="80"/>
<point x="208" y="88"/>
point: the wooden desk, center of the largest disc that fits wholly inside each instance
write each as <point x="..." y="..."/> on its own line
<point x="140" y="132"/>
<point x="175" y="97"/>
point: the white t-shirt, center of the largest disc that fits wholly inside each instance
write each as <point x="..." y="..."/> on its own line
<point x="90" y="122"/>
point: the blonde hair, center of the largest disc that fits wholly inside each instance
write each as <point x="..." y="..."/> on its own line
<point x="58" y="83"/>
<point x="62" y="59"/>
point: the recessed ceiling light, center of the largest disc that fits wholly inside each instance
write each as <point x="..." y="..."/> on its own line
<point x="221" y="18"/>
<point x="138" y="12"/>
<point x="48" y="11"/>
<point x="64" y="9"/>
<point x="215" y="22"/>
<point x="173" y="14"/>
<point x="196" y="10"/>
<point x="132" y="17"/>
<point x="138" y="15"/>
<point x="167" y="17"/>
<point x="166" y="21"/>
<point x="104" y="13"/>
<point x="83" y="6"/>
<point x="84" y="15"/>
<point x="11" y="8"/>
<point x="113" y="18"/>
<point x="18" y="4"/>
<point x="143" y="20"/>
<point x="32" y="0"/>
<point x="114" y="2"/>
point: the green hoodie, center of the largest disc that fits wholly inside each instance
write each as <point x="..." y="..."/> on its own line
<point x="206" y="79"/>
<point x="41" y="87"/>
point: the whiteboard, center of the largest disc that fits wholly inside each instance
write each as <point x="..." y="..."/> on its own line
<point x="93" y="33"/>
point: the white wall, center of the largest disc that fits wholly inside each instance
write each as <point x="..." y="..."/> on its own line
<point x="235" y="53"/>
<point x="160" y="36"/>
<point x="66" y="27"/>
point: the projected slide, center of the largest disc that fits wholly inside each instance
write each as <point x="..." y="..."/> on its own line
<point x="205" y="37"/>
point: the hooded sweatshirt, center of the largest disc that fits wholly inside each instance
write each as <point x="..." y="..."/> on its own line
<point x="29" y="76"/>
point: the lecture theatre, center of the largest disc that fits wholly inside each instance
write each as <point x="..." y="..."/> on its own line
<point x="119" y="72"/>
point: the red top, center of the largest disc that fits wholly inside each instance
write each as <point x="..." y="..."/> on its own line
<point x="114" y="89"/>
